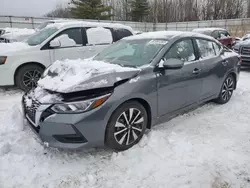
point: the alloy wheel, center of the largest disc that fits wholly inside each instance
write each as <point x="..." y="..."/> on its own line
<point x="31" y="77"/>
<point x="227" y="89"/>
<point x="129" y="126"/>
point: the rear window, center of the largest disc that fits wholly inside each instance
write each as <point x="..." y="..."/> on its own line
<point x="121" y="33"/>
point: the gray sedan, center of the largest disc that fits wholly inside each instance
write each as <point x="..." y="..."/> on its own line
<point x="165" y="74"/>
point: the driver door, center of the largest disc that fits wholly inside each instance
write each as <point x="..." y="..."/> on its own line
<point x="180" y="88"/>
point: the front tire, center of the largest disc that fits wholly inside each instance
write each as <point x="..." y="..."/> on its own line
<point x="126" y="126"/>
<point x="28" y="76"/>
<point x="227" y="90"/>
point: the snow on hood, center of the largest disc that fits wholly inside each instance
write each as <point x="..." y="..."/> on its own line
<point x="11" y="47"/>
<point x="42" y="96"/>
<point x="78" y="75"/>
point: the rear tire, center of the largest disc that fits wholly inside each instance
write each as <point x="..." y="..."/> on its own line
<point x="28" y="76"/>
<point x="227" y="90"/>
<point x="126" y="126"/>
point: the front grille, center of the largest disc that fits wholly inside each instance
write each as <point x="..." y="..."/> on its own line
<point x="245" y="50"/>
<point x="30" y="110"/>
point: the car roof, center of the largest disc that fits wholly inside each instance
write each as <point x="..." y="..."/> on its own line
<point x="167" y="35"/>
<point x="69" y="23"/>
<point x="208" y="29"/>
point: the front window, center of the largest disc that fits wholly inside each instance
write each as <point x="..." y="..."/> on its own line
<point x="131" y="53"/>
<point x="182" y="50"/>
<point x="41" y="36"/>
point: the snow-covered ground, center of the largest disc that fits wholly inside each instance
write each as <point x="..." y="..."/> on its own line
<point x="206" y="148"/>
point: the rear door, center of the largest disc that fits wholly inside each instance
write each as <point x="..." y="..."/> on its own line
<point x="212" y="65"/>
<point x="98" y="38"/>
<point x="180" y="88"/>
<point x="120" y="33"/>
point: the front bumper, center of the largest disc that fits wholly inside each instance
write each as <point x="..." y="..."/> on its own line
<point x="64" y="130"/>
<point x="245" y="60"/>
<point x="6" y="76"/>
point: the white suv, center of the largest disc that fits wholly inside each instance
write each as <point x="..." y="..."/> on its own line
<point x="22" y="64"/>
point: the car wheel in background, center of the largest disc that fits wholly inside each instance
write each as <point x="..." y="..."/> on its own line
<point x="126" y="126"/>
<point x="27" y="76"/>
<point x="226" y="90"/>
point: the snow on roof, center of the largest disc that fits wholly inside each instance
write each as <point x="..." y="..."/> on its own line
<point x="155" y="35"/>
<point x="208" y="29"/>
<point x="165" y="35"/>
<point x="90" y="24"/>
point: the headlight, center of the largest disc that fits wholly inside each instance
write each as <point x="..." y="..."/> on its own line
<point x="3" y="60"/>
<point x="80" y="106"/>
<point x="45" y="73"/>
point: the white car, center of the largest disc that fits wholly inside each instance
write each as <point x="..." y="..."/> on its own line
<point x="9" y="35"/>
<point x="22" y="64"/>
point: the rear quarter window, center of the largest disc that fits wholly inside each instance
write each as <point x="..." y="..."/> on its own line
<point x="121" y="33"/>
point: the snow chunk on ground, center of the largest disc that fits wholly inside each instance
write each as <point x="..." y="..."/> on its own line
<point x="99" y="35"/>
<point x="70" y="75"/>
<point x="11" y="47"/>
<point x="13" y="119"/>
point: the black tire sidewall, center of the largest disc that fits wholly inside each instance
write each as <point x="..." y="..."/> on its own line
<point x="110" y="140"/>
<point x="20" y="75"/>
<point x="220" y="100"/>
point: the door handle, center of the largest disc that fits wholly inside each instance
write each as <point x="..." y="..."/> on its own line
<point x="196" y="71"/>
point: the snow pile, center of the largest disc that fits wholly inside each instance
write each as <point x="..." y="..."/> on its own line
<point x="99" y="35"/>
<point x="207" y="148"/>
<point x="90" y="24"/>
<point x="11" y="47"/>
<point x="42" y="96"/>
<point x="18" y="31"/>
<point x="70" y="75"/>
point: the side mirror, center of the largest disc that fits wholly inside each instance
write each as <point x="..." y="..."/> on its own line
<point x="55" y="43"/>
<point x="171" y="63"/>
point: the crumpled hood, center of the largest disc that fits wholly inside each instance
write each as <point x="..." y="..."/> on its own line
<point x="79" y="75"/>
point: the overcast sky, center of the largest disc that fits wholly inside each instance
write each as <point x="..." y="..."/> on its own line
<point x="28" y="7"/>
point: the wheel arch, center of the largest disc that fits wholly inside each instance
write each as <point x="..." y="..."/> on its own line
<point x="25" y="64"/>
<point x="235" y="78"/>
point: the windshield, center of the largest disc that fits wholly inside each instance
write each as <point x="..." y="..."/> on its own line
<point x="131" y="53"/>
<point x="41" y="36"/>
